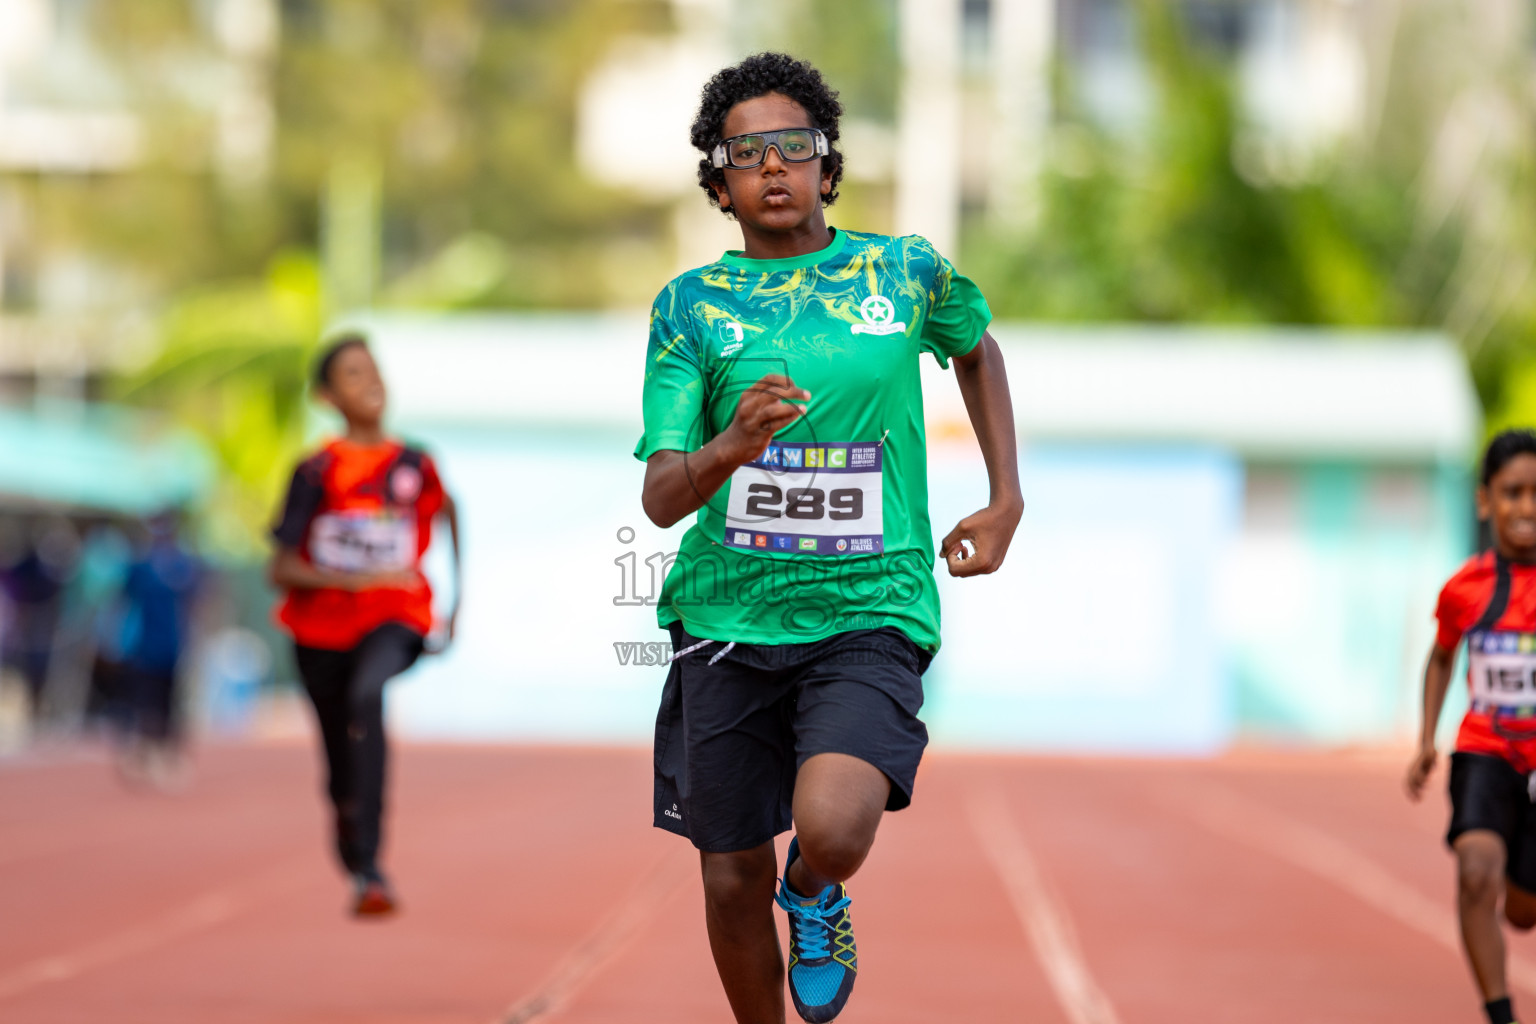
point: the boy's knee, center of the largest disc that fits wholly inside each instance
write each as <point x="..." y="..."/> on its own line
<point x="1478" y="882"/>
<point x="738" y="879"/>
<point x="833" y="854"/>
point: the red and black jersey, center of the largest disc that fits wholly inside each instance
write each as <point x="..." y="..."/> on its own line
<point x="1491" y="601"/>
<point x="362" y="509"/>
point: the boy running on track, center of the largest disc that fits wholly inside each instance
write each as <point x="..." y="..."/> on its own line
<point x="356" y="522"/>
<point x="1492" y="602"/>
<point x="802" y="605"/>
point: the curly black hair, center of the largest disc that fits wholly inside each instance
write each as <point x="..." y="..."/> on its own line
<point x="759" y="75"/>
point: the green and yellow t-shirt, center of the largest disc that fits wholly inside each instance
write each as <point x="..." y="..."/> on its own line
<point x="828" y="530"/>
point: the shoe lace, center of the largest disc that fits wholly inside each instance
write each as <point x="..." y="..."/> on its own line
<point x="809" y="920"/>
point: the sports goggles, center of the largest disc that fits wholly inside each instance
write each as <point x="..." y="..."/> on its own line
<point x="795" y="145"/>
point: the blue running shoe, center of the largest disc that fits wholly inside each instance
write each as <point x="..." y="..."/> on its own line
<point x="822" y="958"/>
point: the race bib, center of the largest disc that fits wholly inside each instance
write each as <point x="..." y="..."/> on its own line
<point x="1502" y="668"/>
<point x="813" y="498"/>
<point x="363" y="541"/>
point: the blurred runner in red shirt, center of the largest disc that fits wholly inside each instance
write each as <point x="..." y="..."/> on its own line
<point x="1491" y="601"/>
<point x="356" y="522"/>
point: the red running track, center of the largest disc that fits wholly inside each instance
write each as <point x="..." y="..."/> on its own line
<point x="1263" y="889"/>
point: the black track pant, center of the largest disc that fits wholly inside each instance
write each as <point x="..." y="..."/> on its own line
<point x="347" y="688"/>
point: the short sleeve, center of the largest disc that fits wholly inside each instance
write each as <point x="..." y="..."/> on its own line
<point x="300" y="506"/>
<point x="1449" y="618"/>
<point x="673" y="393"/>
<point x="957" y="313"/>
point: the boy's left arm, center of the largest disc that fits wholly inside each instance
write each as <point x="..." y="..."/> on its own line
<point x="984" y="386"/>
<point x="450" y="512"/>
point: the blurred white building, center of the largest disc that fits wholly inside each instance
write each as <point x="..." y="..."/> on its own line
<point x="71" y="107"/>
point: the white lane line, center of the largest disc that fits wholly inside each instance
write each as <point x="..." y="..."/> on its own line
<point x="1239" y="818"/>
<point x="611" y="937"/>
<point x="1046" y="922"/>
<point x="202" y="913"/>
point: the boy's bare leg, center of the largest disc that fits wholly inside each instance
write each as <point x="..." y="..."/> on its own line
<point x="738" y="911"/>
<point x="1480" y="858"/>
<point x="839" y="801"/>
<point x="838" y="804"/>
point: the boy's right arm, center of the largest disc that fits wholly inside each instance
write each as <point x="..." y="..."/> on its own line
<point x="1437" y="680"/>
<point x="677" y="483"/>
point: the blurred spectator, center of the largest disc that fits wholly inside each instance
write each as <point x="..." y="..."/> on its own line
<point x="158" y="599"/>
<point x="94" y="618"/>
<point x="37" y="559"/>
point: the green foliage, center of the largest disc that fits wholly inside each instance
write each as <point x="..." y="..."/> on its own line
<point x="1165" y="228"/>
<point x="470" y="108"/>
<point x="234" y="367"/>
<point x="1181" y="223"/>
<point x="853" y="42"/>
<point x="467" y="106"/>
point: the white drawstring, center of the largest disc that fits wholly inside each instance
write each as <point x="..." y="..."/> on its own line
<point x="689" y="650"/>
<point x="722" y="652"/>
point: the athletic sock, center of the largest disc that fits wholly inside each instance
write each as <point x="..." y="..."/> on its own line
<point x="1500" y="1011"/>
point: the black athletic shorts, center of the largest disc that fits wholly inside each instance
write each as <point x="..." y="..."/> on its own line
<point x="731" y="736"/>
<point x="1488" y="793"/>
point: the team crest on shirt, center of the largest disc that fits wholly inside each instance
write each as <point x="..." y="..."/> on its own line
<point x="879" y="315"/>
<point x="405" y="484"/>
